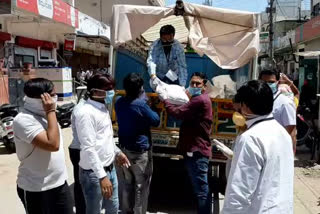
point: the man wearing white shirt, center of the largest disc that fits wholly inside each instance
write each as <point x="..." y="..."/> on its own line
<point x="262" y="169"/>
<point x="284" y="109"/>
<point x="74" y="153"/>
<point x="97" y="173"/>
<point x="42" y="173"/>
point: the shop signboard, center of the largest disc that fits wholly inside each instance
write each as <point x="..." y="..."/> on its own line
<point x="57" y="10"/>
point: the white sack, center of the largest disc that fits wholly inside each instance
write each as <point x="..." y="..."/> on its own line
<point x="175" y="94"/>
<point x="227" y="87"/>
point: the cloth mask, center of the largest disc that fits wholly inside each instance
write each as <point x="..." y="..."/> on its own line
<point x="109" y="97"/>
<point x="238" y="119"/>
<point x="195" y="91"/>
<point x="167" y="43"/>
<point x="274" y="87"/>
<point x="35" y="105"/>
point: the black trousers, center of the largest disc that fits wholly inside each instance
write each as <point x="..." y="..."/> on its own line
<point x="78" y="194"/>
<point x="53" y="201"/>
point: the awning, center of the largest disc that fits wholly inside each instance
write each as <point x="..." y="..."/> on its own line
<point x="4" y="36"/>
<point x="41" y="20"/>
<point x="308" y="53"/>
<point x="230" y="38"/>
<point x="34" y="43"/>
<point x="92" y="27"/>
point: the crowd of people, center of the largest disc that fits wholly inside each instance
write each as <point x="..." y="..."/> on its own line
<point x="261" y="174"/>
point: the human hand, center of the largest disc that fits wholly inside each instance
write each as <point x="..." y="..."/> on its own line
<point x="48" y="104"/>
<point x="122" y="160"/>
<point x="284" y="79"/>
<point x="106" y="187"/>
<point x="153" y="68"/>
<point x="188" y="94"/>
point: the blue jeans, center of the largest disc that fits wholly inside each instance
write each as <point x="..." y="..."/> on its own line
<point x="197" y="168"/>
<point x="95" y="202"/>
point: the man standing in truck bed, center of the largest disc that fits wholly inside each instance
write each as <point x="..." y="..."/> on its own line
<point x="167" y="59"/>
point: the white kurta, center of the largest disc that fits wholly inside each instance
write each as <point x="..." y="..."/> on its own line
<point x="262" y="170"/>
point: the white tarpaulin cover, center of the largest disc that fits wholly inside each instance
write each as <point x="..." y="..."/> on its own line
<point x="308" y="53"/>
<point x="230" y="38"/>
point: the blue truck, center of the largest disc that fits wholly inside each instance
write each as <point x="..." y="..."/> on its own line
<point x="165" y="136"/>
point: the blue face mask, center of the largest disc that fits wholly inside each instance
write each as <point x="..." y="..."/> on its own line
<point x="274" y="87"/>
<point x="109" y="97"/>
<point x="195" y="91"/>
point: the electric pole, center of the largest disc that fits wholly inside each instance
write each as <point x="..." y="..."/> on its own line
<point x="271" y="10"/>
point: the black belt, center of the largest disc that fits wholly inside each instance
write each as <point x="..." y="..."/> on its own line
<point x="134" y="150"/>
<point x="106" y="168"/>
<point x="109" y="168"/>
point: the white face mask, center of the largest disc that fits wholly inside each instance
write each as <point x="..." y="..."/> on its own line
<point x="35" y="105"/>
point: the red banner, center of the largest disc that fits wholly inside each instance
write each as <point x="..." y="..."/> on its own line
<point x="69" y="42"/>
<point x="57" y="10"/>
<point x="60" y="11"/>
<point x="28" y="5"/>
<point x="34" y="43"/>
<point x="4" y="36"/>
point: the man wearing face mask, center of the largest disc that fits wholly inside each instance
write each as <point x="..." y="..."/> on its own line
<point x="135" y="119"/>
<point x="284" y="109"/>
<point x="97" y="173"/>
<point x="42" y="175"/>
<point x="194" y="137"/>
<point x="262" y="169"/>
<point x="166" y="58"/>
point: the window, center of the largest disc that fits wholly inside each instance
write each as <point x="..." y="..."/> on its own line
<point x="316" y="10"/>
<point x="20" y="59"/>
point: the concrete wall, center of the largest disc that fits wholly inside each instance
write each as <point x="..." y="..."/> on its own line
<point x="314" y="2"/>
<point x="313" y="45"/>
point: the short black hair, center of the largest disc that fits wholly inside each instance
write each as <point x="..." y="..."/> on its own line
<point x="33" y="88"/>
<point x="132" y="84"/>
<point x="167" y="29"/>
<point x="269" y="73"/>
<point x="100" y="81"/>
<point x="202" y="75"/>
<point x="257" y="96"/>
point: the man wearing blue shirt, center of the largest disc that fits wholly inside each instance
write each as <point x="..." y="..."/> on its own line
<point x="135" y="118"/>
<point x="167" y="59"/>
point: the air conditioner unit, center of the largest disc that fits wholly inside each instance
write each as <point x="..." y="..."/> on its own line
<point x="47" y="63"/>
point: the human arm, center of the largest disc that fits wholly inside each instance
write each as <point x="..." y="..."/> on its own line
<point x="185" y="111"/>
<point x="87" y="138"/>
<point x="121" y="158"/>
<point x="294" y="89"/>
<point x="182" y="66"/>
<point x="288" y="118"/>
<point x="151" y="116"/>
<point x="49" y="139"/>
<point x="292" y="132"/>
<point x="244" y="176"/>
<point x="151" y="62"/>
